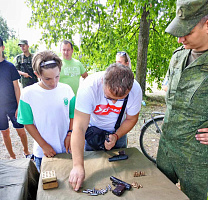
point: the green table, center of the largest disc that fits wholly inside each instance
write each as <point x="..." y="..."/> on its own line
<point x="98" y="171"/>
<point x="18" y="179"/>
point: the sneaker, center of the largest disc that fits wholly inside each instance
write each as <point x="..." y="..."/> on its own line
<point x="30" y="156"/>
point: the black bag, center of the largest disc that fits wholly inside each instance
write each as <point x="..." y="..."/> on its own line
<point x="95" y="136"/>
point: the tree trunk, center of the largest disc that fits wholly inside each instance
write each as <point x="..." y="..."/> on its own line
<point x="143" y="42"/>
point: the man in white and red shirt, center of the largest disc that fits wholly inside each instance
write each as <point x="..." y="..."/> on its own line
<point x="99" y="102"/>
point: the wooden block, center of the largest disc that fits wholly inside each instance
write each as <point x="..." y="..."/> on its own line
<point x="53" y="184"/>
<point x="48" y="176"/>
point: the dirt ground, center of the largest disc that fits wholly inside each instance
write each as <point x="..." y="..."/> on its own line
<point x="153" y="103"/>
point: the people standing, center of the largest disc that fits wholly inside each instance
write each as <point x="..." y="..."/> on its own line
<point x="9" y="100"/>
<point x="72" y="69"/>
<point x="23" y="63"/>
<point x="46" y="108"/>
<point x="183" y="147"/>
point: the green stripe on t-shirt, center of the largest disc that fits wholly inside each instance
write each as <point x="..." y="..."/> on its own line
<point x="25" y="115"/>
<point x="72" y="107"/>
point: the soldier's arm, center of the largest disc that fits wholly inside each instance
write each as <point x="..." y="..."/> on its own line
<point x="26" y="75"/>
<point x="18" y="67"/>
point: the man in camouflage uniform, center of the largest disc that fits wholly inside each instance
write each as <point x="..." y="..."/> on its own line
<point x="24" y="65"/>
<point x="183" y="149"/>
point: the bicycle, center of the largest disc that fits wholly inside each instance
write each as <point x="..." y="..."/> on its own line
<point x="150" y="135"/>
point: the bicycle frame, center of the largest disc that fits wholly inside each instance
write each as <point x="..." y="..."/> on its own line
<point x="145" y="135"/>
<point x="160" y="114"/>
<point x="155" y="117"/>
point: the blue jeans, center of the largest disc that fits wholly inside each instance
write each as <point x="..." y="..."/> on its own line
<point x="38" y="162"/>
<point x="121" y="143"/>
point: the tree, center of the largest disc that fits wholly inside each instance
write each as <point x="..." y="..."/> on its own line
<point x="143" y="48"/>
<point x="11" y="49"/>
<point x="5" y="32"/>
<point x="137" y="27"/>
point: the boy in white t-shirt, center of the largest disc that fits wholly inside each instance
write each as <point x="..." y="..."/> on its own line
<point x="46" y="108"/>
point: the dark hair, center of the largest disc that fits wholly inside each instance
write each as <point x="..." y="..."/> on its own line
<point x="1" y="42"/>
<point x="39" y="61"/>
<point x="119" y="79"/>
<point x="66" y="42"/>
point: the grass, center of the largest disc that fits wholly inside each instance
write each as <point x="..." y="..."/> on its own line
<point x="153" y="103"/>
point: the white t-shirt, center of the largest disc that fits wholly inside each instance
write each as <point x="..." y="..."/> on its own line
<point x="104" y="113"/>
<point x="49" y="111"/>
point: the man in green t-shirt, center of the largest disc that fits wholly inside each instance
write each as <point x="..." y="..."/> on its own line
<point x="71" y="69"/>
<point x="23" y="64"/>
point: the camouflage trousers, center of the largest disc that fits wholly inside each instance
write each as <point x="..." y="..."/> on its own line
<point x="193" y="176"/>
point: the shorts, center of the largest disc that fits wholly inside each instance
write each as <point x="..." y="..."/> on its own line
<point x="8" y="112"/>
<point x="121" y="143"/>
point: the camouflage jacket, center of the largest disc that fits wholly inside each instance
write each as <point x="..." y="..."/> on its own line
<point x="24" y="64"/>
<point x="187" y="104"/>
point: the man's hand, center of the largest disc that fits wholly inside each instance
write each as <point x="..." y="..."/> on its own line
<point x="203" y="136"/>
<point x="67" y="142"/>
<point x="48" y="150"/>
<point x="76" y="177"/>
<point x="26" y="75"/>
<point x="112" y="141"/>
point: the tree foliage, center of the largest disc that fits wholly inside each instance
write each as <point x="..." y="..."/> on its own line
<point x="11" y="49"/>
<point x="5" y="32"/>
<point x="107" y="28"/>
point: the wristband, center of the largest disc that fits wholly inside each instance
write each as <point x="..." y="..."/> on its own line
<point x="69" y="131"/>
<point x="116" y="136"/>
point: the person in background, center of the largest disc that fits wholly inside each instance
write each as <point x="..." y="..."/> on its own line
<point x="47" y="108"/>
<point x="23" y="63"/>
<point x="72" y="69"/>
<point x="9" y="100"/>
<point x="123" y="58"/>
<point x="183" y="148"/>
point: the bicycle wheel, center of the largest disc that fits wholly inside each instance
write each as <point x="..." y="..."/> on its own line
<point x="150" y="136"/>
